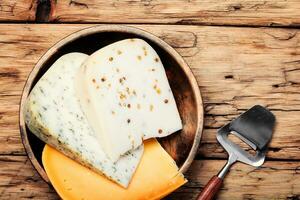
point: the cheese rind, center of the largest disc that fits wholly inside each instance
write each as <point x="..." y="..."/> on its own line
<point x="156" y="176"/>
<point x="53" y="113"/>
<point x="125" y="85"/>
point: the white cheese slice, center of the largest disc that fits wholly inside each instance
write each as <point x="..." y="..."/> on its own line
<point x="53" y="114"/>
<point x="125" y="85"/>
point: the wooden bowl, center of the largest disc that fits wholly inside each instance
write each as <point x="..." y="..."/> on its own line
<point x="182" y="146"/>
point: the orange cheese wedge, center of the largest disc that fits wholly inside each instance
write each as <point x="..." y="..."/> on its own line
<point x="156" y="176"/>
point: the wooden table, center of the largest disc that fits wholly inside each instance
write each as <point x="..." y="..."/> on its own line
<point x="241" y="52"/>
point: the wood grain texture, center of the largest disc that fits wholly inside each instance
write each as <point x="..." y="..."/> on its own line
<point x="208" y="12"/>
<point x="274" y="180"/>
<point x="20" y="181"/>
<point x="235" y="69"/>
<point x="17" y="10"/>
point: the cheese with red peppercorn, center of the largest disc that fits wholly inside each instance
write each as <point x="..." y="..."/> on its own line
<point x="126" y="97"/>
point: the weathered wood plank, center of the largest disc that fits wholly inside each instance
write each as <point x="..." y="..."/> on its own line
<point x="17" y="10"/>
<point x="275" y="180"/>
<point x="235" y="69"/>
<point x="10" y="135"/>
<point x="20" y="181"/>
<point x="233" y="12"/>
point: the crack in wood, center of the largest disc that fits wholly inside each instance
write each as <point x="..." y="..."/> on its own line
<point x="274" y="149"/>
<point x="187" y="22"/>
<point x="235" y="7"/>
<point x="79" y="4"/>
<point x="8" y="42"/>
<point x="277" y="168"/>
<point x="292" y="62"/>
<point x="43" y="10"/>
<point x="228" y="77"/>
<point x="283" y="38"/>
<point x="15" y="154"/>
<point x="31" y="5"/>
<point x="258" y="5"/>
<point x="8" y="159"/>
<point x="288" y="83"/>
<point x="10" y="74"/>
<point x="293" y="197"/>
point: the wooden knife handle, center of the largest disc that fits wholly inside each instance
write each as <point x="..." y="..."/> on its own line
<point x="210" y="189"/>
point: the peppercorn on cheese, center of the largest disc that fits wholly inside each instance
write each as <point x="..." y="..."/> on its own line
<point x="125" y="94"/>
<point x="156" y="176"/>
<point x="53" y="114"/>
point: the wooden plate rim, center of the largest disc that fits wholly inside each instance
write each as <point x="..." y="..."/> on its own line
<point x="112" y="28"/>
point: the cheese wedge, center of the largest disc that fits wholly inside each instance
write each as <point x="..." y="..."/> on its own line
<point x="156" y="176"/>
<point x="125" y="94"/>
<point x="53" y="114"/>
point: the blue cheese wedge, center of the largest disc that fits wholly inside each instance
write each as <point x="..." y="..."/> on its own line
<point x="125" y="85"/>
<point x="53" y="114"/>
